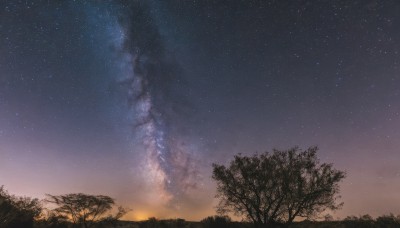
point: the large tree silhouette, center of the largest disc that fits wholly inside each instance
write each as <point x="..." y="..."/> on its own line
<point x="278" y="186"/>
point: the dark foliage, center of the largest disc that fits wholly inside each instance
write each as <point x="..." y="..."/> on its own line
<point x="216" y="222"/>
<point x="277" y="187"/>
<point x="18" y="211"/>
<point x="83" y="210"/>
<point x="170" y="223"/>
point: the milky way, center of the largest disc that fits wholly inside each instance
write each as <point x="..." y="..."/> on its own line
<point x="148" y="78"/>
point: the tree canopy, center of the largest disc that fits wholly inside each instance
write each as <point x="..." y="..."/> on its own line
<point x="277" y="187"/>
<point x="18" y="211"/>
<point x="82" y="208"/>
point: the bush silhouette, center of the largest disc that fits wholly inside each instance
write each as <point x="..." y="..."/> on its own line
<point x="388" y="221"/>
<point x="18" y="211"/>
<point x="216" y="222"/>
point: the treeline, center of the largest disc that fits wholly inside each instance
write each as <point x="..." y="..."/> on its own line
<point x="82" y="210"/>
<point x="70" y="210"/>
<point x="271" y="189"/>
<point x="365" y="221"/>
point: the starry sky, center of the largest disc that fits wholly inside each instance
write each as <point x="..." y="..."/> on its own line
<point x="136" y="99"/>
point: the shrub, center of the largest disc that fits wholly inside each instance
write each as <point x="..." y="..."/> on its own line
<point x="216" y="222"/>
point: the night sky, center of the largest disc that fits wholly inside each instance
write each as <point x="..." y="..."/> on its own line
<point x="136" y="99"/>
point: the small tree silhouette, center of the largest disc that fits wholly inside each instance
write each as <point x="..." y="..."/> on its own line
<point x="84" y="209"/>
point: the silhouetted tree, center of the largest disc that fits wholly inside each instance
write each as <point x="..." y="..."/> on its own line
<point x="83" y="209"/>
<point x="278" y="186"/>
<point x="17" y="211"/>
